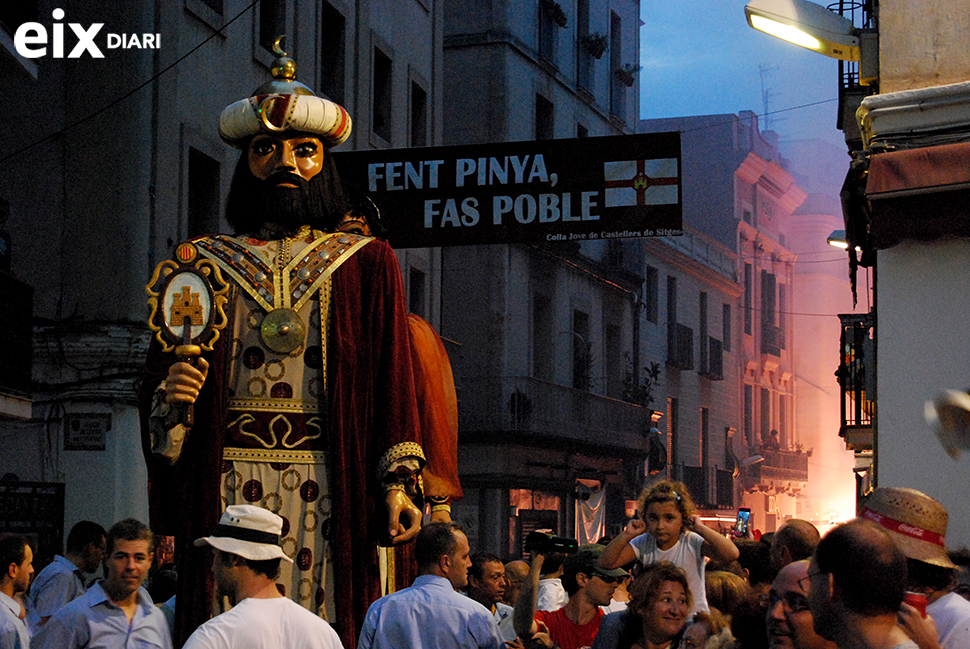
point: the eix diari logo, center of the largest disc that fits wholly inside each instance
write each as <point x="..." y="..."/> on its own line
<point x="31" y="40"/>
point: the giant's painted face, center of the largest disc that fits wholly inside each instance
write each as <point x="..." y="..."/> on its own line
<point x="301" y="155"/>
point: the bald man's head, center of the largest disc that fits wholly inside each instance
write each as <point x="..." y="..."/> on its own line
<point x="795" y="541"/>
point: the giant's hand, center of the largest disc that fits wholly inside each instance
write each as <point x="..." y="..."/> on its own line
<point x="398" y="506"/>
<point x="184" y="381"/>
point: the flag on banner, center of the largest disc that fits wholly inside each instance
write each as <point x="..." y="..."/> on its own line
<point x="641" y="182"/>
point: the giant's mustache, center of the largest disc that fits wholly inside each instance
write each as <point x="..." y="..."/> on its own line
<point x="276" y="180"/>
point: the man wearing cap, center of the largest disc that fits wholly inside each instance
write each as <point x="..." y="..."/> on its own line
<point x="306" y="404"/>
<point x="246" y="544"/>
<point x="857" y="578"/>
<point x="789" y="619"/>
<point x="16" y="557"/>
<point x="917" y="524"/>
<point x="431" y="613"/>
<point x="116" y="612"/>
<point x="589" y="587"/>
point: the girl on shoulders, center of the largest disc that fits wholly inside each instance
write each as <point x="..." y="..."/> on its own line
<point x="668" y="529"/>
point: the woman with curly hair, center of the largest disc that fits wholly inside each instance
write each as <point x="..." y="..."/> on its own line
<point x="656" y="614"/>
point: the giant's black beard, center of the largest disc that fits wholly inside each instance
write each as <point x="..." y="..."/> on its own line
<point x="286" y="209"/>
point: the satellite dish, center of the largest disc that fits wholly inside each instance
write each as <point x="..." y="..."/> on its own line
<point x="949" y="417"/>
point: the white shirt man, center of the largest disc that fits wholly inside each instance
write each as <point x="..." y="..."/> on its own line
<point x="247" y="560"/>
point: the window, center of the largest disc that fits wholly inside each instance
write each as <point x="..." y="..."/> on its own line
<point x="419" y="115"/>
<point x="748" y="290"/>
<point x="613" y="361"/>
<point x="332" y="48"/>
<point x="203" y="194"/>
<point x="783" y="420"/>
<point x="705" y="344"/>
<point x="382" y="95"/>
<point x="726" y="327"/>
<point x="771" y="338"/>
<point x="582" y="366"/>
<point x="765" y="414"/>
<point x="749" y="416"/>
<point x="705" y="445"/>
<point x="767" y="298"/>
<point x="545" y="119"/>
<point x="673" y="423"/>
<point x="671" y="300"/>
<point x="272" y="22"/>
<point x="547" y="30"/>
<point x="584" y="60"/>
<point x="542" y="338"/>
<point x="417" y="293"/>
<point x="653" y="289"/>
<point x="617" y="88"/>
<point x="782" y="305"/>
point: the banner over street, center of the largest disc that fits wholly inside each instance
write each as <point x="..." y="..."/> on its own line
<point x="524" y="192"/>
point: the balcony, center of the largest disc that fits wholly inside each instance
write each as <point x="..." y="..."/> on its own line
<point x="781" y="471"/>
<point x="855" y="373"/>
<point x="712" y="367"/>
<point x="772" y="339"/>
<point x="680" y="346"/>
<point x="524" y="406"/>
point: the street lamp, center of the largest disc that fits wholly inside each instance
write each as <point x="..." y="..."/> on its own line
<point x="806" y="24"/>
<point x="837" y="239"/>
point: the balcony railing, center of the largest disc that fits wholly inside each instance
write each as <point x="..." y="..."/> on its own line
<point x="680" y="346"/>
<point x="528" y="406"/>
<point x="779" y="466"/>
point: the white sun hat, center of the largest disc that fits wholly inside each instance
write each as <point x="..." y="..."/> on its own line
<point x="251" y="532"/>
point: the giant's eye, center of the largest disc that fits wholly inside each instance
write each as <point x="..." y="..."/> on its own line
<point x="305" y="149"/>
<point x="262" y="147"/>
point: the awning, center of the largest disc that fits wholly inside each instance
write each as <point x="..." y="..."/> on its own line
<point x="921" y="194"/>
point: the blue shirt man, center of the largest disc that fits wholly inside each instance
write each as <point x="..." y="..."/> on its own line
<point x="63" y="579"/>
<point x="117" y="612"/>
<point x="56" y="585"/>
<point x="16" y="559"/>
<point x="430" y="613"/>
<point x="13" y="631"/>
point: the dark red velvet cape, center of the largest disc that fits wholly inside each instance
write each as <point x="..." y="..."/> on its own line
<point x="371" y="408"/>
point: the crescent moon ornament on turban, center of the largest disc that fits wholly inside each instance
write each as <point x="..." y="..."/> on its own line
<point x="284" y="104"/>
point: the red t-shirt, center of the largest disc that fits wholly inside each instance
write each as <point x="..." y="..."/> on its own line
<point x="565" y="633"/>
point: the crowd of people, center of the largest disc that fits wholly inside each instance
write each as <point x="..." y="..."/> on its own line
<point x="884" y="580"/>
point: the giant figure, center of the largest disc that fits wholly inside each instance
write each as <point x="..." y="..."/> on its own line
<point x="306" y="404"/>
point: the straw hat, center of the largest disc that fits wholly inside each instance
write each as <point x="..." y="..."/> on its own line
<point x="916" y="522"/>
<point x="249" y="531"/>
